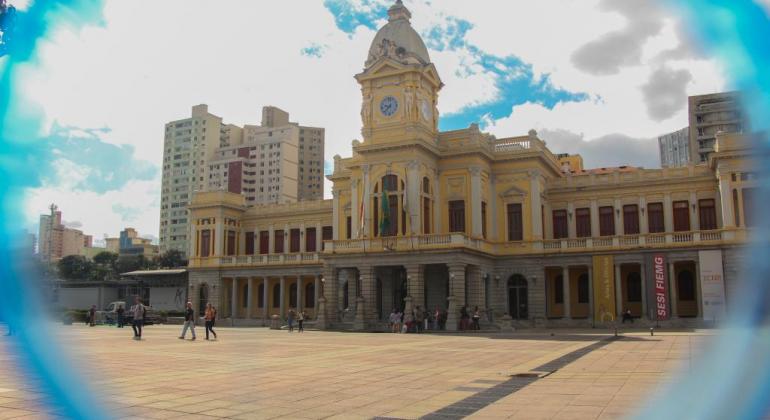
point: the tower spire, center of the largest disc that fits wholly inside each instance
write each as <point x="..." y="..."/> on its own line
<point x="398" y="11"/>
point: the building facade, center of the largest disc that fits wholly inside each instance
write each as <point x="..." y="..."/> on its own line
<point x="57" y="241"/>
<point x="276" y="162"/>
<point x="675" y="148"/>
<point x="711" y="114"/>
<point x="443" y="220"/>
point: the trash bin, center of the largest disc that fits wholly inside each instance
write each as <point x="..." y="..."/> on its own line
<point x="275" y="322"/>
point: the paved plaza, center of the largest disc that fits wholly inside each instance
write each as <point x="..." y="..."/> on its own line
<point x="258" y="373"/>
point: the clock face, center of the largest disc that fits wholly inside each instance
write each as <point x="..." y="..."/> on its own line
<point x="388" y="106"/>
<point x="426" y="110"/>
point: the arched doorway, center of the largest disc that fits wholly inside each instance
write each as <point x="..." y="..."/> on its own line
<point x="203" y="298"/>
<point x="518" y="305"/>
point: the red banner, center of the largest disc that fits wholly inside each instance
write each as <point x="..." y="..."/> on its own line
<point x="661" y="295"/>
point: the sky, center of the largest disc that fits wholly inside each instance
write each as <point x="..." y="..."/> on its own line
<point x="598" y="77"/>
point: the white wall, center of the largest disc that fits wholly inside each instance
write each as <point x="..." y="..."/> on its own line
<point x="84" y="297"/>
<point x="168" y="298"/>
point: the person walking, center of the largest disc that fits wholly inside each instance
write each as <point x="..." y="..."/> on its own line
<point x="476" y="317"/>
<point x="138" y="311"/>
<point x="437" y="318"/>
<point x="92" y="316"/>
<point x="419" y="318"/>
<point x="464" y="317"/>
<point x="301" y="320"/>
<point x="210" y="316"/>
<point x="121" y="317"/>
<point x="290" y="319"/>
<point x="189" y="322"/>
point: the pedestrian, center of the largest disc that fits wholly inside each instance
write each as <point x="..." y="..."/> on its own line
<point x="290" y="319"/>
<point x="391" y="319"/>
<point x="408" y="322"/>
<point x="189" y="322"/>
<point x="627" y="317"/>
<point x="301" y="320"/>
<point x="436" y="318"/>
<point x="476" y="318"/>
<point x="419" y="319"/>
<point x="121" y="318"/>
<point x="210" y="316"/>
<point x="138" y="311"/>
<point x="92" y="316"/>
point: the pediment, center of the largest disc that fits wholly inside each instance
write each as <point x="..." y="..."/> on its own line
<point x="513" y="192"/>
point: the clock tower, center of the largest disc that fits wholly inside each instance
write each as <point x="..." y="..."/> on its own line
<point x="399" y="85"/>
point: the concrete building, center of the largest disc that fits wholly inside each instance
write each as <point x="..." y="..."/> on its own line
<point x="711" y="114"/>
<point x="57" y="241"/>
<point x="675" y="148"/>
<point x="460" y="218"/>
<point x="276" y="162"/>
<point x="131" y="244"/>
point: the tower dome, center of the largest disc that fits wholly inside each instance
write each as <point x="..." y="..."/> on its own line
<point x="398" y="40"/>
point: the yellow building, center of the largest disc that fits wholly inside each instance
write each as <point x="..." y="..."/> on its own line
<point x="443" y="220"/>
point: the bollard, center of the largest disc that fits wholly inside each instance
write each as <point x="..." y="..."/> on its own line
<point x="616" y="331"/>
<point x="651" y="332"/>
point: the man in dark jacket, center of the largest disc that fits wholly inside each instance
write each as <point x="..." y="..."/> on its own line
<point x="189" y="321"/>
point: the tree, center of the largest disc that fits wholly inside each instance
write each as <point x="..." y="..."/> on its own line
<point x="172" y="259"/>
<point x="106" y="259"/>
<point x="126" y="264"/>
<point x="75" y="267"/>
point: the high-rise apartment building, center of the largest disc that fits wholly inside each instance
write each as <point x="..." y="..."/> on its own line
<point x="58" y="241"/>
<point x="675" y="148"/>
<point x="711" y="114"/>
<point x="276" y="162"/>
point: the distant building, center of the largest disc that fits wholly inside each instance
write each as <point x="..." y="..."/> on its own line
<point x="675" y="148"/>
<point x="131" y="244"/>
<point x="711" y="114"/>
<point x="112" y="244"/>
<point x="58" y="241"/>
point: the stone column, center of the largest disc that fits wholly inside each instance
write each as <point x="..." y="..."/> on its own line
<point x="316" y="292"/>
<point x="493" y="233"/>
<point x="355" y="203"/>
<point x="336" y="214"/>
<point x="286" y="238"/>
<point x="567" y="295"/>
<point x="437" y="203"/>
<point x="594" y="219"/>
<point x="415" y="284"/>
<point x="726" y="201"/>
<point x="456" y="294"/>
<point x="591" y="294"/>
<point x="234" y="299"/>
<point x="548" y="233"/>
<point x="668" y="213"/>
<point x="302" y="247"/>
<point x="271" y="240"/>
<point x="535" y="208"/>
<point x="694" y="219"/>
<point x="643" y="226"/>
<point x="413" y="197"/>
<point x="219" y="236"/>
<point x="475" y="201"/>
<point x="475" y="282"/>
<point x="571" y="221"/>
<point x="618" y="292"/>
<point x="619" y="226"/>
<point x="318" y="237"/>
<point x="299" y="293"/>
<point x="672" y="288"/>
<point x="282" y="311"/>
<point x="643" y="275"/>
<point x="366" y="303"/>
<point x="266" y="294"/>
<point x="250" y="299"/>
<point x="330" y="285"/>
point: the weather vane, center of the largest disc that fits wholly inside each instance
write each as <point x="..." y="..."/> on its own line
<point x="7" y="21"/>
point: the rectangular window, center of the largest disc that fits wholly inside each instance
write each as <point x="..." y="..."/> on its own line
<point x="606" y="221"/>
<point x="583" y="222"/>
<point x="294" y="240"/>
<point x="249" y="243"/>
<point x="426" y="215"/>
<point x="278" y="241"/>
<point x="457" y="216"/>
<point x="681" y="216"/>
<point x="558" y="290"/>
<point x="707" y="214"/>
<point x="748" y="207"/>
<point x="631" y="219"/>
<point x="582" y="288"/>
<point x="560" y="226"/>
<point x="349" y="227"/>
<point x="327" y="233"/>
<point x="264" y="242"/>
<point x="483" y="219"/>
<point x="205" y="243"/>
<point x="310" y="236"/>
<point x="515" y="225"/>
<point x="230" y="243"/>
<point x="655" y="218"/>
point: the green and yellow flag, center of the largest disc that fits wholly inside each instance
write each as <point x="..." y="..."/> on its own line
<point x="385" y="215"/>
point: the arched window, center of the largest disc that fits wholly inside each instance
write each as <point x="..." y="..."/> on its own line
<point x="518" y="307"/>
<point x="390" y="183"/>
<point x="634" y="287"/>
<point x="277" y="296"/>
<point x="310" y="295"/>
<point x="293" y="294"/>
<point x="685" y="285"/>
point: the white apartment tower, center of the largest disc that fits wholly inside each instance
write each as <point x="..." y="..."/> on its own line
<point x="276" y="162"/>
<point x="675" y="148"/>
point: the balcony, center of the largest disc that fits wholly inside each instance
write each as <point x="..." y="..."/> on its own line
<point x="305" y="258"/>
<point x="450" y="241"/>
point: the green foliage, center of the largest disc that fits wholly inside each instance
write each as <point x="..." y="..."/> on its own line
<point x="106" y="258"/>
<point x="130" y="263"/>
<point x="172" y="259"/>
<point x="75" y="267"/>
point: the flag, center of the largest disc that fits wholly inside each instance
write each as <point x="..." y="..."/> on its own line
<point x="406" y="194"/>
<point x="385" y="215"/>
<point x="361" y="217"/>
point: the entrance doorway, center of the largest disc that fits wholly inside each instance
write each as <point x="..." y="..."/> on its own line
<point x="203" y="298"/>
<point x="518" y="305"/>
